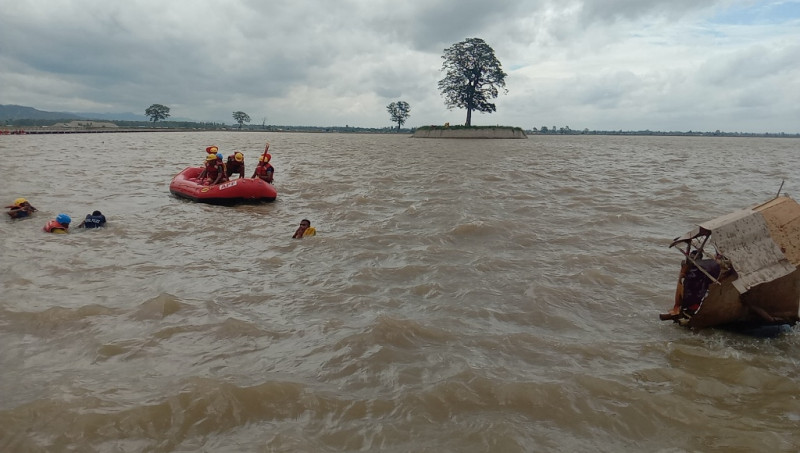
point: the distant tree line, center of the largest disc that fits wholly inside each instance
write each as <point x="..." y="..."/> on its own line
<point x="399" y="111"/>
<point x="192" y="125"/>
<point x="544" y="130"/>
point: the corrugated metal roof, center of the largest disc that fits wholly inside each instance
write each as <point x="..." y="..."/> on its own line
<point x="755" y="241"/>
<point x="783" y="219"/>
<point x="746" y="241"/>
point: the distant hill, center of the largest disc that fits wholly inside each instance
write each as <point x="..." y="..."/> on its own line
<point x="19" y="112"/>
<point x="114" y="116"/>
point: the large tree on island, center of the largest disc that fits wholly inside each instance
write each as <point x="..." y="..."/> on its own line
<point x="157" y="112"/>
<point x="473" y="77"/>
<point x="399" y="112"/>
<point x="241" y="118"/>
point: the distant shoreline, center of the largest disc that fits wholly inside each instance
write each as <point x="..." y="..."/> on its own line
<point x="102" y="130"/>
<point x="39" y="130"/>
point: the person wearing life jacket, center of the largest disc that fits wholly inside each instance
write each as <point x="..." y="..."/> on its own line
<point x="20" y="209"/>
<point x="304" y="230"/>
<point x="59" y="225"/>
<point x="214" y="172"/>
<point x="235" y="165"/>
<point x="264" y="169"/>
<point x="221" y="161"/>
<point x="211" y="150"/>
<point x="94" y="220"/>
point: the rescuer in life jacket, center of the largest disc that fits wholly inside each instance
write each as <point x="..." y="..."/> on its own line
<point x="20" y="209"/>
<point x="59" y="225"/>
<point x="211" y="150"/>
<point x="223" y="168"/>
<point x="214" y="172"/>
<point x="235" y="165"/>
<point x="264" y="169"/>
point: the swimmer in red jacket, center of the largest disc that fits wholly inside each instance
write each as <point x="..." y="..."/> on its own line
<point x="59" y="225"/>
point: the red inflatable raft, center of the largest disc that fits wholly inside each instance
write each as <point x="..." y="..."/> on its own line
<point x="243" y="190"/>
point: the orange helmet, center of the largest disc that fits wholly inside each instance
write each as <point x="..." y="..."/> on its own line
<point x="238" y="157"/>
<point x="211" y="157"/>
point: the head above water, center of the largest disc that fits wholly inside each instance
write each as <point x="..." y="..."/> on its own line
<point x="63" y="219"/>
<point x="96" y="213"/>
<point x="305" y="223"/>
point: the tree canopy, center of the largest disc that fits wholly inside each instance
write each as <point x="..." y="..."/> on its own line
<point x="157" y="112"/>
<point x="473" y="77"/>
<point x="399" y="112"/>
<point x="241" y="118"/>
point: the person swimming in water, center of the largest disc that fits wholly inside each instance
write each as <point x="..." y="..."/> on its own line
<point x="20" y="209"/>
<point x="59" y="225"/>
<point x="94" y="220"/>
<point x="304" y="230"/>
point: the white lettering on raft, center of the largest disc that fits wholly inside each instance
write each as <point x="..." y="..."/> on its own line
<point x="227" y="185"/>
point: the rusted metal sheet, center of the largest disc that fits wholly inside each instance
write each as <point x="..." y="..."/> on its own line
<point x="783" y="219"/>
<point x="745" y="239"/>
<point x="760" y="247"/>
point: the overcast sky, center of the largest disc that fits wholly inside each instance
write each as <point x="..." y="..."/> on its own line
<point x="668" y="65"/>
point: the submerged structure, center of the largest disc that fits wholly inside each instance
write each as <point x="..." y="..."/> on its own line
<point x="741" y="269"/>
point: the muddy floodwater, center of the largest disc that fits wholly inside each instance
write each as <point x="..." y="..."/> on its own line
<point x="459" y="296"/>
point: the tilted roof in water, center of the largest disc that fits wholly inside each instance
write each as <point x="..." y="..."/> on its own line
<point x="762" y="243"/>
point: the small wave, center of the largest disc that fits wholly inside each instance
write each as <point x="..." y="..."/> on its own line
<point x="235" y="328"/>
<point x="474" y="229"/>
<point x="159" y="307"/>
<point x="55" y="318"/>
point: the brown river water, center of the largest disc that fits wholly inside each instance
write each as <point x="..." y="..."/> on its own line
<point x="460" y="296"/>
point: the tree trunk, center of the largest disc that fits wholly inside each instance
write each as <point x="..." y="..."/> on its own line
<point x="469" y="117"/>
